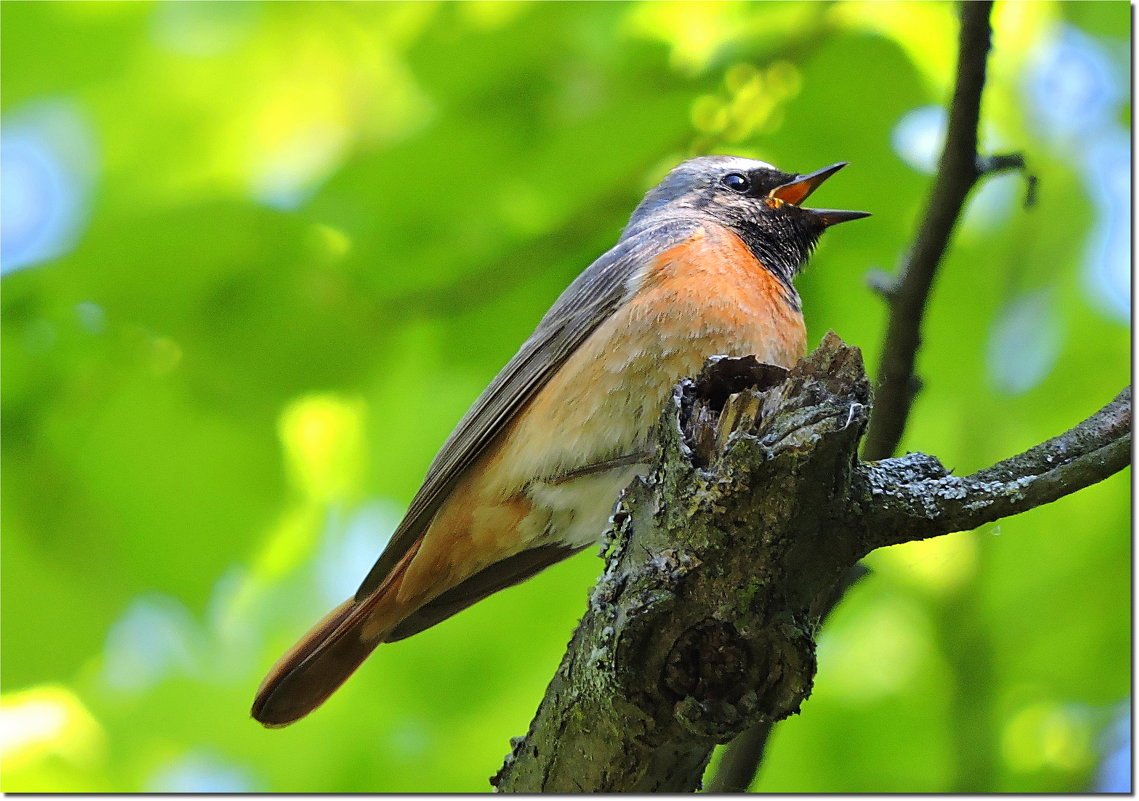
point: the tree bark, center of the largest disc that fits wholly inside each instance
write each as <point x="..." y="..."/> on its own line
<point x="721" y="562"/>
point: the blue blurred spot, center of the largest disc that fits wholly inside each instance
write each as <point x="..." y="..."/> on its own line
<point x="46" y="166"/>
<point x="919" y="137"/>
<point x="1076" y="92"/>
<point x="288" y="173"/>
<point x="282" y="191"/>
<point x="992" y="202"/>
<point x="1072" y="85"/>
<point x="1108" y="260"/>
<point x="349" y="549"/>
<point x="1024" y="343"/>
<point x="155" y="637"/>
<point x="233" y="633"/>
<point x="1114" y="774"/>
<point x="201" y="773"/>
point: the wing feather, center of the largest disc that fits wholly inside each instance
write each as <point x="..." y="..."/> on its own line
<point x="581" y="308"/>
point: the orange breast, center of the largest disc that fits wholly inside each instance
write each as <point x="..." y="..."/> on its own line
<point x="706" y="296"/>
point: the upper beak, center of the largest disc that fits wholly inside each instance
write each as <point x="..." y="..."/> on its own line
<point x="797" y="190"/>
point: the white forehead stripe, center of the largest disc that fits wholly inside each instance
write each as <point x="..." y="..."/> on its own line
<point x="752" y="164"/>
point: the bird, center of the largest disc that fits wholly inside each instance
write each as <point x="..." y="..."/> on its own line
<point x="530" y="474"/>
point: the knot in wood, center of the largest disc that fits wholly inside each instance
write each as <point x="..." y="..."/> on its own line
<point x="710" y="671"/>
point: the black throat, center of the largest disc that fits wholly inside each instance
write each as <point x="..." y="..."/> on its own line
<point x="781" y="242"/>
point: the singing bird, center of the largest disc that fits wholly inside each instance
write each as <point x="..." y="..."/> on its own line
<point x="530" y="474"/>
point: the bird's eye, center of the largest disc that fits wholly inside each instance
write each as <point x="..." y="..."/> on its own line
<point x="736" y="182"/>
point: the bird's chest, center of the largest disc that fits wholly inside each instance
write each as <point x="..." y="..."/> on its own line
<point x="704" y="297"/>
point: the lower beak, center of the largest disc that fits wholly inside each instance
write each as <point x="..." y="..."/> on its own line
<point x="835" y="216"/>
<point x="797" y="190"/>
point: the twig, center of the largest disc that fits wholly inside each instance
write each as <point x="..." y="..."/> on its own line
<point x="914" y="497"/>
<point x="742" y="756"/>
<point x="957" y="173"/>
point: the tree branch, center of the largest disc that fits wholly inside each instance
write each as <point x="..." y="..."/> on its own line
<point x="721" y="562"/>
<point x="915" y="497"/>
<point x="957" y="173"/>
<point x="742" y="755"/>
<point x="959" y="170"/>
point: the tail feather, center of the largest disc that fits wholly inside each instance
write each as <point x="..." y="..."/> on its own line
<point x="315" y="667"/>
<point x="329" y="653"/>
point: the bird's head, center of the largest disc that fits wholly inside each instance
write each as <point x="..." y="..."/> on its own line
<point x="758" y="201"/>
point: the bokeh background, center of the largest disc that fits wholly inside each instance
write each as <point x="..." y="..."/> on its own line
<point x="258" y="258"/>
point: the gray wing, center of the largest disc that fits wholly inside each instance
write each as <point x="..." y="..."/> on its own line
<point x="581" y="308"/>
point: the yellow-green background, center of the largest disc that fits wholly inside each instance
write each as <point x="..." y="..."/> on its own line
<point x="294" y="241"/>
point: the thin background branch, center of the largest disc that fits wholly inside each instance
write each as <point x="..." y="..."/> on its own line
<point x="958" y="171"/>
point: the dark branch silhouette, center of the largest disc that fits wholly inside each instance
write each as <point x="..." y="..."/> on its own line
<point x="959" y="170"/>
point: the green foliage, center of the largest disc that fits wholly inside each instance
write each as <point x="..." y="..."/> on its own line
<point x="315" y="231"/>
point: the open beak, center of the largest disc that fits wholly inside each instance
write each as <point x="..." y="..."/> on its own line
<point x="798" y="189"/>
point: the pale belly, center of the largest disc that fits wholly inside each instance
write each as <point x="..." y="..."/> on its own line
<point x="575" y="513"/>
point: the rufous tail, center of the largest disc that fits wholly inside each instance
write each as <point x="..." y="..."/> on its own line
<point x="329" y="653"/>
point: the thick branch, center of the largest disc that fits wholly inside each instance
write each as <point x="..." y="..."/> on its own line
<point x="742" y="755"/>
<point x="722" y="561"/>
<point x="692" y="634"/>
